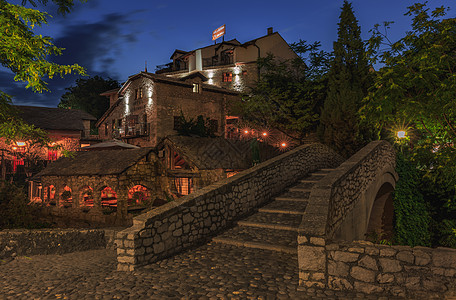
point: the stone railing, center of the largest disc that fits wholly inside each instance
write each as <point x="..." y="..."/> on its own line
<point x="331" y="199"/>
<point x="20" y="242"/>
<point x="193" y="219"/>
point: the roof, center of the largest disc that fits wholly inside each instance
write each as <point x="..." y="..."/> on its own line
<point x="103" y="162"/>
<point x="54" y="118"/>
<point x="218" y="153"/>
<point x="112" y="144"/>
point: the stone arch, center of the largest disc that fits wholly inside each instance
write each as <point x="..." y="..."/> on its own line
<point x="139" y="195"/>
<point x="49" y="197"/>
<point x="66" y="196"/>
<point x="356" y="222"/>
<point x="108" y="197"/>
<point x="86" y="196"/>
<point x="380" y="224"/>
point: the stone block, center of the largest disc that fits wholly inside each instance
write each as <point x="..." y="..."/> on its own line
<point x="390" y="265"/>
<point x="304" y="275"/>
<point x="406" y="256"/>
<point x="421" y="258"/>
<point x="367" y="288"/>
<point x="339" y="283"/>
<point x="302" y="239"/>
<point x="387" y="252"/>
<point x="337" y="268"/>
<point x="444" y="258"/>
<point x="412" y="283"/>
<point x="434" y="285"/>
<point x="345" y="256"/>
<point x="310" y="284"/>
<point x="148" y="242"/>
<point x="177" y="232"/>
<point x="126" y="259"/>
<point x="368" y="262"/>
<point x="444" y="272"/>
<point x="311" y="258"/>
<point x="318" y="276"/>
<point x="372" y="251"/>
<point x="158" y="248"/>
<point x="362" y="274"/>
<point x="317" y="241"/>
<point x="385" y="278"/>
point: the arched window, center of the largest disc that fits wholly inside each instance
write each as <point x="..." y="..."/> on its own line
<point x="49" y="196"/>
<point x="108" y="197"/>
<point x="66" y="197"/>
<point x="87" y="197"/>
<point x="139" y="195"/>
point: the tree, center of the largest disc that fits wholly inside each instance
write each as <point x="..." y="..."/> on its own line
<point x="348" y="81"/>
<point x="416" y="89"/>
<point x="289" y="94"/>
<point x="27" y="56"/>
<point x="86" y="95"/>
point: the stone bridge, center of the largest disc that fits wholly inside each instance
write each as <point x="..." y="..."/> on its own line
<point x="349" y="199"/>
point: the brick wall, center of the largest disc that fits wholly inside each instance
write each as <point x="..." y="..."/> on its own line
<point x="191" y="220"/>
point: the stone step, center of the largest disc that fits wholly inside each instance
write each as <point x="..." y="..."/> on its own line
<point x="261" y="238"/>
<point x="302" y="187"/>
<point x="273" y="221"/>
<point x="294" y="196"/>
<point x="285" y="207"/>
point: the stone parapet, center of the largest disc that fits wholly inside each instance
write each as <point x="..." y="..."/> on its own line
<point x="193" y="219"/>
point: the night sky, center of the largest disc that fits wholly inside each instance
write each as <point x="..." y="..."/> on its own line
<point x="115" y="38"/>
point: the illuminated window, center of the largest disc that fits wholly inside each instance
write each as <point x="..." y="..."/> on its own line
<point x="184" y="186"/>
<point x="196" y="88"/>
<point x="138" y="93"/>
<point x="108" y="197"/>
<point x="53" y="154"/>
<point x="227" y="76"/>
<point x="138" y="195"/>
<point x="87" y="197"/>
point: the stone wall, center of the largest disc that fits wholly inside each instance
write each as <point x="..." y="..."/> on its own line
<point x="20" y="242"/>
<point x="395" y="270"/>
<point x="192" y="219"/>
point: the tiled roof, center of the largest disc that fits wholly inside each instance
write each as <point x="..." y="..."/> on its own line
<point x="54" y="118"/>
<point x="103" y="162"/>
<point x="218" y="153"/>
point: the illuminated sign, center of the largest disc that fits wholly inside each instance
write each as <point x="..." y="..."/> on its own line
<point x="218" y="32"/>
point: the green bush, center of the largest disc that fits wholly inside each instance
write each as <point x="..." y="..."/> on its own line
<point x="15" y="211"/>
<point x="412" y="218"/>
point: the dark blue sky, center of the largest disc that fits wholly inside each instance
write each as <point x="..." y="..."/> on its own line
<point x="114" y="38"/>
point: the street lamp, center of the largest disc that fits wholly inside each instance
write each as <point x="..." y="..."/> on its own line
<point x="401" y="134"/>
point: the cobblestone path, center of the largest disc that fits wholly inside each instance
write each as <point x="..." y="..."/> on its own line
<point x="254" y="260"/>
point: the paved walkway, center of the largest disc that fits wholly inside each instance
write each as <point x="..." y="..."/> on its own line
<point x="212" y="271"/>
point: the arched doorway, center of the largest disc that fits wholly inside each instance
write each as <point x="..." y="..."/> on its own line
<point x="86" y="197"/>
<point x="66" y="198"/>
<point x="109" y="199"/>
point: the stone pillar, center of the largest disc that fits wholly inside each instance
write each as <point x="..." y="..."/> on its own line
<point x="312" y="261"/>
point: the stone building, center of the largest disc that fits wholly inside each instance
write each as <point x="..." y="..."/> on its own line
<point x="69" y="128"/>
<point x="148" y="107"/>
<point x="230" y="64"/>
<point x="109" y="186"/>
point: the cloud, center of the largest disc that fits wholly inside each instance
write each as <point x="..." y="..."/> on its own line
<point x="94" y="46"/>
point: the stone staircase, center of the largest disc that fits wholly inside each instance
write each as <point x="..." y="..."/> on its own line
<point x="275" y="225"/>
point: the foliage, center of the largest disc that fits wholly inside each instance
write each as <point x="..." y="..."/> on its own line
<point x="192" y="127"/>
<point x="416" y="88"/>
<point x="412" y="219"/>
<point x="289" y="93"/>
<point x="348" y="81"/>
<point x="27" y="56"/>
<point x="86" y="95"/>
<point x="15" y="212"/>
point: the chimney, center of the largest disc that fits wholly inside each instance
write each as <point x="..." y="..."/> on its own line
<point x="270" y="31"/>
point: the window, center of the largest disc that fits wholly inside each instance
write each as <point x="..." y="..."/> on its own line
<point x="138" y="93"/>
<point x="196" y="88"/>
<point x="184" y="186"/>
<point x="53" y="154"/>
<point x="227" y="76"/>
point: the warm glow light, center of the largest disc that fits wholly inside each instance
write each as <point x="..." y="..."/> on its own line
<point x="20" y="143"/>
<point x="283" y="145"/>
<point x="14" y="148"/>
<point x="401" y="134"/>
<point x="264" y="133"/>
<point x="246" y="131"/>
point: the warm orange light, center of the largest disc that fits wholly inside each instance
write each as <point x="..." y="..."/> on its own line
<point x="14" y="148"/>
<point x="246" y="131"/>
<point x="20" y="143"/>
<point x="283" y="144"/>
<point x="264" y="133"/>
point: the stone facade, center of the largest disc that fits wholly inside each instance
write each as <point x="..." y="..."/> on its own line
<point x="146" y="106"/>
<point x="190" y="220"/>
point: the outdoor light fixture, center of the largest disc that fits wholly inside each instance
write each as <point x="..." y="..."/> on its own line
<point x="246" y="131"/>
<point x="401" y="134"/>
<point x="14" y="148"/>
<point x="20" y="143"/>
<point x="283" y="145"/>
<point x="264" y="133"/>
